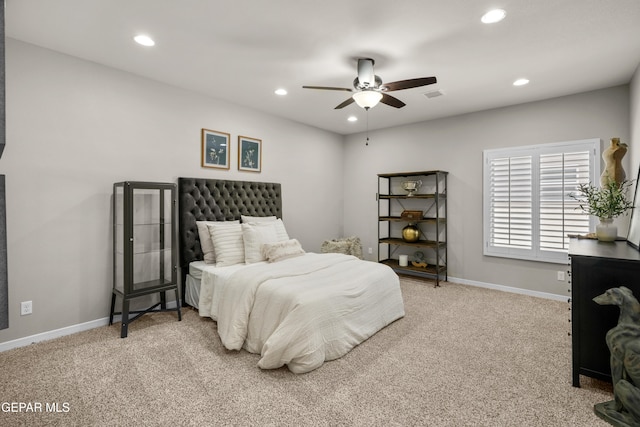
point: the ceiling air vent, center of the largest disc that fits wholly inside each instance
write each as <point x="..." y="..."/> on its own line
<point x="434" y="94"/>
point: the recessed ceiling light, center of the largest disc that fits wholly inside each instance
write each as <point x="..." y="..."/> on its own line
<point x="280" y="92"/>
<point x="521" y="82"/>
<point x="144" y="40"/>
<point x="493" y="16"/>
<point x="352" y="119"/>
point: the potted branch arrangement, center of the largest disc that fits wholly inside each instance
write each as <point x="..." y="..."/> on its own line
<point x="606" y="203"/>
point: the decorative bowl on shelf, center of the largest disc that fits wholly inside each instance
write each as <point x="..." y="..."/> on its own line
<point x="411" y="186"/>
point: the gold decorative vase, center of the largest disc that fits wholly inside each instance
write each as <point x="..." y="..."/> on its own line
<point x="410" y="233"/>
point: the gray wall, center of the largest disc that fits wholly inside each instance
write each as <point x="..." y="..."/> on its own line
<point x="455" y="144"/>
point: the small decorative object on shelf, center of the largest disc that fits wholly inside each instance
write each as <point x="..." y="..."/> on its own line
<point x="411" y="186"/>
<point x="411" y="215"/>
<point x="418" y="260"/>
<point x="403" y="260"/>
<point x="411" y="219"/>
<point x="410" y="233"/>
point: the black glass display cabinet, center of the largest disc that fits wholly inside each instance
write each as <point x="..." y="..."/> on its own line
<point x="144" y="249"/>
<point x="418" y="200"/>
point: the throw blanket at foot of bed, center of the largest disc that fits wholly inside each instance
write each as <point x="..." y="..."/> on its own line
<point x="302" y="311"/>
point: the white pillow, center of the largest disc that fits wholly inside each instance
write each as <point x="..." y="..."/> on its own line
<point x="208" y="251"/>
<point x="282" y="250"/>
<point x="227" y="243"/>
<point x="281" y="231"/>
<point x="254" y="236"/>
<point x="247" y="218"/>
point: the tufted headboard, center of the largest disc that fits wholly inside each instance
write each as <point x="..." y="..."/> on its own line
<point x="219" y="200"/>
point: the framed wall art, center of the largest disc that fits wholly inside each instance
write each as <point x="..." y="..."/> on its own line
<point x="215" y="150"/>
<point x="249" y="154"/>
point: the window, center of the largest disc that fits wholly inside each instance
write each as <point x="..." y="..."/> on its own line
<point x="527" y="208"/>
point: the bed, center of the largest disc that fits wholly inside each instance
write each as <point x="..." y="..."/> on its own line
<point x="292" y="307"/>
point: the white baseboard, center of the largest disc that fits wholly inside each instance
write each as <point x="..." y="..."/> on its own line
<point x="49" y="335"/>
<point x="69" y="330"/>
<point x="511" y="289"/>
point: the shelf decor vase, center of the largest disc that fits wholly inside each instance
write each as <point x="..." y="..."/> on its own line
<point x="411" y="186"/>
<point x="410" y="233"/>
<point x="606" y="231"/>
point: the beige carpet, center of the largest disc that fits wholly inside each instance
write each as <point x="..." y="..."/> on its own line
<point x="462" y="356"/>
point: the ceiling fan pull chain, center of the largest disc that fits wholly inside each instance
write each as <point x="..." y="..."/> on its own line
<point x="367" y="112"/>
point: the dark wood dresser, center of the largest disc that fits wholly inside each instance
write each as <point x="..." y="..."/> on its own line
<point x="596" y="267"/>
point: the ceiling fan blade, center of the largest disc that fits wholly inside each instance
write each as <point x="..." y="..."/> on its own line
<point x="345" y="103"/>
<point x="327" y="88"/>
<point x="390" y="100"/>
<point x="408" y="84"/>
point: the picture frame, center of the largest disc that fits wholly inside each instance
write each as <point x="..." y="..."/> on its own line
<point x="633" y="237"/>
<point x="249" y="154"/>
<point x="215" y="150"/>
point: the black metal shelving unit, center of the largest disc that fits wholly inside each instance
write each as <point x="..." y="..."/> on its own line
<point x="431" y="199"/>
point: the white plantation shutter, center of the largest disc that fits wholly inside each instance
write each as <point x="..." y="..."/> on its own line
<point x="511" y="202"/>
<point x="560" y="174"/>
<point x="528" y="211"/>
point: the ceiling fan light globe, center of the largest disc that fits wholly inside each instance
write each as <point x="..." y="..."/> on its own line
<point x="367" y="98"/>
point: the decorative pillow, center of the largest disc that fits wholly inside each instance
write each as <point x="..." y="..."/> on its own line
<point x="348" y="246"/>
<point x="227" y="243"/>
<point x="281" y="231"/>
<point x="205" y="239"/>
<point x="254" y="236"/>
<point x="274" y="252"/>
<point x="336" y="246"/>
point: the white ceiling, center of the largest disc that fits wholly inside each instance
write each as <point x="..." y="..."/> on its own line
<point x="241" y="51"/>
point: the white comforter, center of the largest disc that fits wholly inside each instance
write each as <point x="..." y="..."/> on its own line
<point x="301" y="311"/>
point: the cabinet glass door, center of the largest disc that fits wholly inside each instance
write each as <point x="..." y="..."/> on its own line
<point x="143" y="240"/>
<point x="151" y="237"/>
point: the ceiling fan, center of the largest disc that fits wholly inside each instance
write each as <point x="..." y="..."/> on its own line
<point x="369" y="90"/>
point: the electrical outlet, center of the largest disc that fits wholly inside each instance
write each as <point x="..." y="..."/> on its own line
<point x="370" y="251"/>
<point x="561" y="276"/>
<point x="26" y="307"/>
